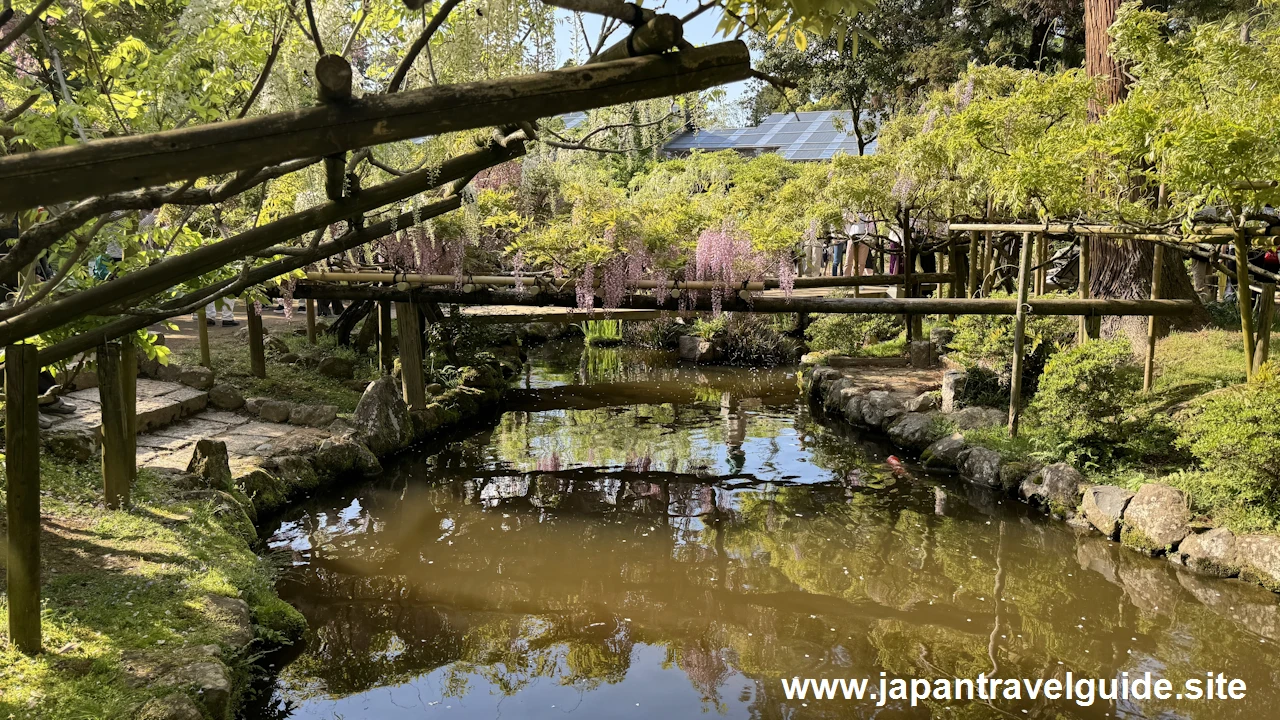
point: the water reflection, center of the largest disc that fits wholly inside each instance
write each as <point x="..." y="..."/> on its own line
<point x="672" y="542"/>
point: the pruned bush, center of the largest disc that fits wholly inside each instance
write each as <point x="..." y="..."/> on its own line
<point x="850" y="334"/>
<point x="1235" y="432"/>
<point x="660" y="334"/>
<point x="987" y="341"/>
<point x="750" y="340"/>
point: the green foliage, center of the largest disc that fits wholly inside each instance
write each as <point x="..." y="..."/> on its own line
<point x="752" y="340"/>
<point x="1189" y="364"/>
<point x="660" y="334"/>
<point x="1234" y="433"/>
<point x="602" y="332"/>
<point x="986" y="341"/>
<point x="1082" y="409"/>
<point x="851" y="334"/>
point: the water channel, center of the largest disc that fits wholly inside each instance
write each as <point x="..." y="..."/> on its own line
<point x="635" y="538"/>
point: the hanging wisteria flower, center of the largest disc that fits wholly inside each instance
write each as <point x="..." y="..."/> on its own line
<point x="786" y="274"/>
<point x="286" y="296"/>
<point x="517" y="270"/>
<point x="585" y="288"/>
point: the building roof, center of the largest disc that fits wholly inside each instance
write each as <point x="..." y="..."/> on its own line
<point x="795" y="136"/>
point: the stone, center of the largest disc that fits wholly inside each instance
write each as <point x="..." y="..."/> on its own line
<point x="338" y="368"/>
<point x="169" y="373"/>
<point x="916" y="430"/>
<point x="297" y="471"/>
<point x="1055" y="487"/>
<point x="1012" y="474"/>
<point x="941" y="337"/>
<point x="209" y="460"/>
<point x="972" y="418"/>
<point x="696" y="349"/>
<point x="980" y="466"/>
<point x="944" y="452"/>
<point x="357" y="385"/>
<point x="289" y="358"/>
<point x="275" y="345"/>
<point x="922" y="355"/>
<point x="1156" y="520"/>
<point x="834" y="395"/>
<point x="234" y="613"/>
<point x="170" y="707"/>
<point x="1103" y="506"/>
<point x="211" y="681"/>
<point x="1212" y="552"/>
<point x="810" y="359"/>
<point x="339" y="456"/>
<point x="880" y="408"/>
<point x="1259" y="559"/>
<point x="382" y="419"/>
<point x="853" y="410"/>
<point x="78" y="443"/>
<point x="254" y="405"/>
<point x="434" y="389"/>
<point x="225" y="397"/>
<point x="924" y="402"/>
<point x="276" y="411"/>
<point x="313" y="415"/>
<point x="952" y="387"/>
<point x="200" y="378"/>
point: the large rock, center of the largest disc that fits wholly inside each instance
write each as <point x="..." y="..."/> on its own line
<point x="200" y="378"/>
<point x="916" y="430"/>
<point x="980" y="466"/>
<point x="225" y="397"/>
<point x="880" y="408"/>
<point x="276" y="411"/>
<point x="313" y="415"/>
<point x="80" y="444"/>
<point x="853" y="410"/>
<point x="338" y="368"/>
<point x="696" y="349"/>
<point x="924" y="402"/>
<point x="1212" y="552"/>
<point x="944" y="452"/>
<point x="233" y="614"/>
<point x="275" y="345"/>
<point x="171" y="707"/>
<point x="297" y="471"/>
<point x="1156" y="520"/>
<point x="212" y="683"/>
<point x="340" y="456"/>
<point x="973" y="418"/>
<point x="922" y="355"/>
<point x="211" y="463"/>
<point x="382" y="419"/>
<point x="941" y="338"/>
<point x="952" y="387"/>
<point x="253" y="405"/>
<point x="1259" y="559"/>
<point x="1103" y="506"/>
<point x="1055" y="487"/>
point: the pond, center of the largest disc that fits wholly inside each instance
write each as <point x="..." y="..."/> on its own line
<point x="636" y="538"/>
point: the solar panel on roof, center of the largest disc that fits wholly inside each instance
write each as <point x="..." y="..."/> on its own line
<point x="811" y="135"/>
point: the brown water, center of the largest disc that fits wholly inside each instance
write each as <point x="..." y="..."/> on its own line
<point x="635" y="540"/>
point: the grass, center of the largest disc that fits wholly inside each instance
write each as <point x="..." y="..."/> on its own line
<point x="601" y="333"/>
<point x="1190" y="364"/>
<point x="129" y="584"/>
<point x="293" y="382"/>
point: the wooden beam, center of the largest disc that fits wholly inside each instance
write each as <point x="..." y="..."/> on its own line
<point x="311" y="321"/>
<point x="1019" y="335"/>
<point x="410" y="344"/>
<point x="889" y="306"/>
<point x="257" y="351"/>
<point x="1111" y="230"/>
<point x="78" y="171"/>
<point x="22" y="496"/>
<point x="1153" y="323"/>
<point x="419" y="279"/>
<point x="116" y="475"/>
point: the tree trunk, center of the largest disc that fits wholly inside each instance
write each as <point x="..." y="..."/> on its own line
<point x="1098" y="61"/>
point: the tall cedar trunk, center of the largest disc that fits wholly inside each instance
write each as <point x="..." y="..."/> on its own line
<point x="1122" y="268"/>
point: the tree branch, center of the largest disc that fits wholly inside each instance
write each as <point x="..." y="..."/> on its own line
<point x="315" y="30"/>
<point x="24" y="24"/>
<point x="437" y="20"/>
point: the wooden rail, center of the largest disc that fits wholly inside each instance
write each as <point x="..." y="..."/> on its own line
<point x="473" y="281"/>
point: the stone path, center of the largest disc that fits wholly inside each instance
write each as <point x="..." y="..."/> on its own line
<point x="159" y="404"/>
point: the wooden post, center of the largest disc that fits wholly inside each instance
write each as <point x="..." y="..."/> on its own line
<point x="1153" y="327"/>
<point x="975" y="263"/>
<point x="202" y="329"/>
<point x="908" y="270"/>
<point x="129" y="393"/>
<point x="385" y="359"/>
<point x="1266" y="317"/>
<point x="410" y="343"/>
<point x="116" y="474"/>
<point x="257" y="353"/>
<point x="311" y="321"/>
<point x="1083" y="334"/>
<point x="1244" y="299"/>
<point x="1222" y="285"/>
<point x="1019" y="334"/>
<point x="22" y="472"/>
<point x="988" y="258"/>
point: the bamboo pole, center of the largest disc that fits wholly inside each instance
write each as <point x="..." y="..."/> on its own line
<point x="202" y="329"/>
<point x="1110" y="230"/>
<point x="988" y="259"/>
<point x="1153" y="327"/>
<point x="975" y="262"/>
<point x="1244" y="300"/>
<point x="385" y="357"/>
<point x="1019" y="335"/>
<point x="311" y="321"/>
<point x="409" y="341"/>
<point x="116" y="473"/>
<point x="129" y="393"/>
<point x="22" y="496"/>
<point x="416" y="279"/>
<point x="257" y="353"/>
<point x="1042" y="257"/>
<point x="1266" y="318"/>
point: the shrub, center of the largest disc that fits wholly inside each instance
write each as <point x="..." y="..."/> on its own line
<point x="987" y="341"/>
<point x="749" y="340"/>
<point x="660" y="334"/>
<point x="602" y="332"/>
<point x="1085" y="401"/>
<point x="851" y="333"/>
<point x="1236" y="432"/>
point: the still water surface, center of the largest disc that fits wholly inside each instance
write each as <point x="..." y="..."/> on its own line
<point x="636" y="539"/>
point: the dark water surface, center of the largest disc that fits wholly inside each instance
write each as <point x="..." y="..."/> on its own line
<point x="636" y="539"/>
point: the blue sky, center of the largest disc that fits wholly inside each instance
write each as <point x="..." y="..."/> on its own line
<point x="699" y="31"/>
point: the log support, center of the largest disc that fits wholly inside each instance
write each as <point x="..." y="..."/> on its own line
<point x="129" y="393"/>
<point x="386" y="358"/>
<point x="975" y="263"/>
<point x="1266" y="318"/>
<point x="1244" y="299"/>
<point x="1153" y="323"/>
<point x="202" y="329"/>
<point x="117" y="465"/>
<point x="311" y="321"/>
<point x="22" y="496"/>
<point x="1019" y="335"/>
<point x="257" y="352"/>
<point x="409" y="325"/>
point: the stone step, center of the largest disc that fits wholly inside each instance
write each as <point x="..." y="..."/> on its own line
<point x="160" y="404"/>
